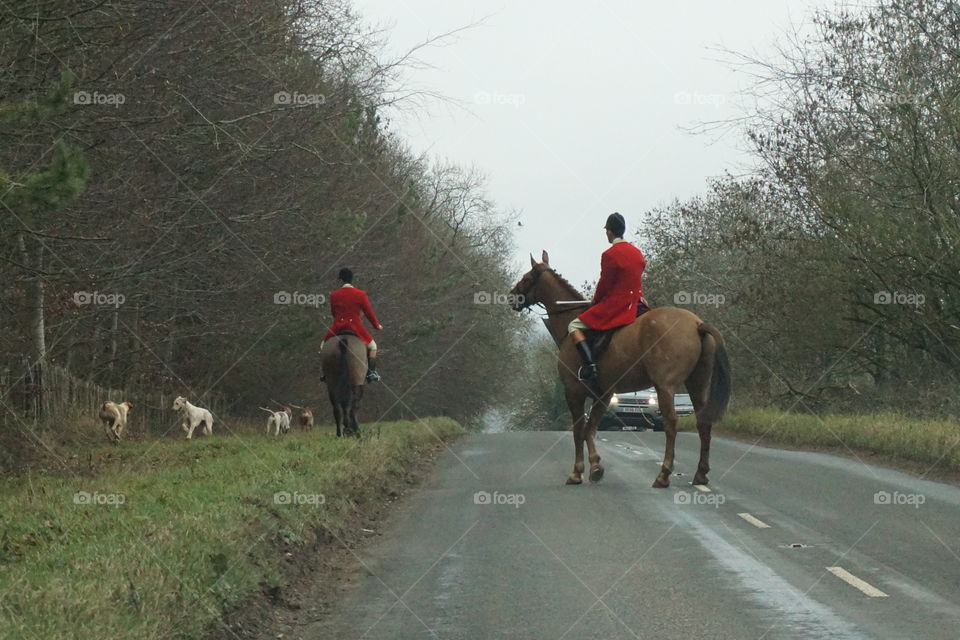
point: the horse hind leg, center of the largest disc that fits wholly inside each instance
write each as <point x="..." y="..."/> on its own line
<point x="341" y="427"/>
<point x="575" y="404"/>
<point x="349" y="420"/>
<point x="337" y="414"/>
<point x="703" y="467"/>
<point x="351" y="405"/>
<point x="356" y="396"/>
<point x="698" y="386"/>
<point x="590" y="432"/>
<point x="665" y="402"/>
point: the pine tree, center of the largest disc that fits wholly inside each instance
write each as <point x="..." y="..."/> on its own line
<point x="34" y="196"/>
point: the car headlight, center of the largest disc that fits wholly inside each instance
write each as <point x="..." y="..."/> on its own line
<point x="614" y="401"/>
<point x="652" y="401"/>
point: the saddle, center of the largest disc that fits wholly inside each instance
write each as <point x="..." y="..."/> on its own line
<point x="599" y="339"/>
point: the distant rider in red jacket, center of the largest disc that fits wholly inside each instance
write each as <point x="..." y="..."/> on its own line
<point x="618" y="299"/>
<point x="346" y="305"/>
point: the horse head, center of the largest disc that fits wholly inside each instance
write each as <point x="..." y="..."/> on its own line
<point x="526" y="292"/>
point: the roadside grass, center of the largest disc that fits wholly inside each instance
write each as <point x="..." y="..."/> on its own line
<point x="896" y="436"/>
<point x="170" y="534"/>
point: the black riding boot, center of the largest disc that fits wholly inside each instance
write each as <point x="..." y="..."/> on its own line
<point x="589" y="369"/>
<point x="372" y="375"/>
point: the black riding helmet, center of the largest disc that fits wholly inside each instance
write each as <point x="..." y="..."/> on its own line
<point x="616" y="224"/>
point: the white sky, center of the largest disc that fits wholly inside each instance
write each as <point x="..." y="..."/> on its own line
<point x="575" y="109"/>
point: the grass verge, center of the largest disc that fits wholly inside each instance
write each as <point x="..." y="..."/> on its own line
<point x="169" y="535"/>
<point x="890" y="435"/>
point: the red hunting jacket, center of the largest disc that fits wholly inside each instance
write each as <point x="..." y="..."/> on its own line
<point x="346" y="304"/>
<point x="619" y="289"/>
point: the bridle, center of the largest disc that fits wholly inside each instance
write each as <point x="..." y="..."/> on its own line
<point x="566" y="304"/>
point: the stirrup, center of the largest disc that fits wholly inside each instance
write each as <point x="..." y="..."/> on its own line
<point x="373" y="376"/>
<point x="592" y="368"/>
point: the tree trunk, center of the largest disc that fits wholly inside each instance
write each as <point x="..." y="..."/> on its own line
<point x="37" y="321"/>
<point x="114" y="327"/>
<point x="37" y="324"/>
<point x="94" y="349"/>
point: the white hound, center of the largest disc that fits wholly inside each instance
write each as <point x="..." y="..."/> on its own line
<point x="114" y="416"/>
<point x="279" y="421"/>
<point x="193" y="416"/>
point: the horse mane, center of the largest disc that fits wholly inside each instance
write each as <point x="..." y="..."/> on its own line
<point x="574" y="292"/>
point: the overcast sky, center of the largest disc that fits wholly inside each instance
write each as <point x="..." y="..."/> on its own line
<point x="578" y="109"/>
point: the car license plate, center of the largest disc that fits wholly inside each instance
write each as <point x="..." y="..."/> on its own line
<point x="630" y="409"/>
<point x="629" y="427"/>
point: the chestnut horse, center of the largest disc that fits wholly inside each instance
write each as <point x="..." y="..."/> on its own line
<point x="344" y="363"/>
<point x="664" y="348"/>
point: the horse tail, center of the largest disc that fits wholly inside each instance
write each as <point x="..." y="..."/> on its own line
<point x="720" y="379"/>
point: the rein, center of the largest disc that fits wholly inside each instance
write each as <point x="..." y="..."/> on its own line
<point x="569" y="304"/>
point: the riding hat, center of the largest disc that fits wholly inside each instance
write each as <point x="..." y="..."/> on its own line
<point x="616" y="224"/>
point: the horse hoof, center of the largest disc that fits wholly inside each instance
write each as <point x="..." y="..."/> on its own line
<point x="661" y="483"/>
<point x="596" y="474"/>
<point x="698" y="479"/>
<point x="574" y="479"/>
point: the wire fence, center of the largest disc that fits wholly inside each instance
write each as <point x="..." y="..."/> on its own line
<point x="49" y="395"/>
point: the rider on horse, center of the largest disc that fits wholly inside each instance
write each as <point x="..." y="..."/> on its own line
<point x="618" y="299"/>
<point x="346" y="305"/>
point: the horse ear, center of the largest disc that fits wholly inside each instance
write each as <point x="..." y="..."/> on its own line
<point x="545" y="258"/>
<point x="533" y="263"/>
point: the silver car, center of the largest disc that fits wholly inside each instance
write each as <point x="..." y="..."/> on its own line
<point x="640" y="409"/>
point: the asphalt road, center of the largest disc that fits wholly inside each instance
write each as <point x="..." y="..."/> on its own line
<point x="620" y="559"/>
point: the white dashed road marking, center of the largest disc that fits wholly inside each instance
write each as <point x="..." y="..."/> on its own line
<point x="856" y="582"/>
<point x="757" y="522"/>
